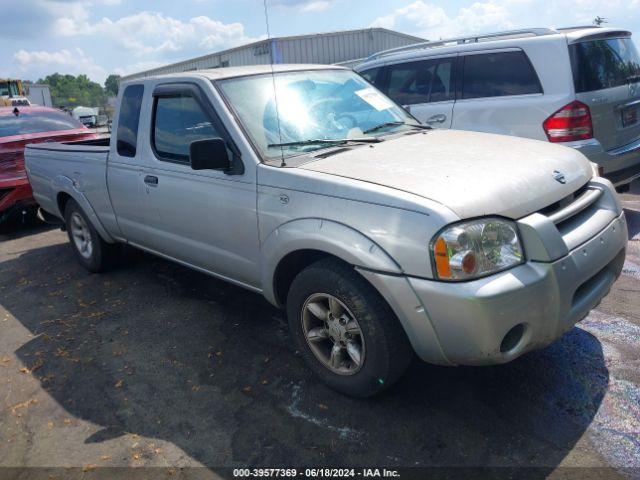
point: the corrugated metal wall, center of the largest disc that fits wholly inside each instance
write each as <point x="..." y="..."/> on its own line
<point x="340" y="46"/>
<point x="325" y="48"/>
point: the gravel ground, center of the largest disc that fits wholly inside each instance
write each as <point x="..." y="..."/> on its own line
<point x="155" y="365"/>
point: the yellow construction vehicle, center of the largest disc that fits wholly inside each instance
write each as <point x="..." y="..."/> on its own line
<point x="12" y="93"/>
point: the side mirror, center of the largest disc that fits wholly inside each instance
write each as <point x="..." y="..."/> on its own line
<point x="209" y="154"/>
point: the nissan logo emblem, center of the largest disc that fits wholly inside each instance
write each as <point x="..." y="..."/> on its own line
<point x="559" y="177"/>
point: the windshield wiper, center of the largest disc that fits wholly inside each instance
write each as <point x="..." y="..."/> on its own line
<point x="382" y="125"/>
<point x="396" y="123"/>
<point x="326" y="141"/>
<point x="420" y="126"/>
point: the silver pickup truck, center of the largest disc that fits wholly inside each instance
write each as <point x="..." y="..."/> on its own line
<point x="379" y="236"/>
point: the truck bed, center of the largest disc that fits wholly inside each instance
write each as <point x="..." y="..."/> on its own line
<point x="92" y="145"/>
<point x="64" y="166"/>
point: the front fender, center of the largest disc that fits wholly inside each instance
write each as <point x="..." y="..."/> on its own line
<point x="63" y="184"/>
<point x="326" y="236"/>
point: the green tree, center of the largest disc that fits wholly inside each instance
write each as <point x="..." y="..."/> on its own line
<point x="67" y="90"/>
<point x="111" y="85"/>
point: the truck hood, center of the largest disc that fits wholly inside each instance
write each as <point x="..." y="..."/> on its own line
<point x="473" y="174"/>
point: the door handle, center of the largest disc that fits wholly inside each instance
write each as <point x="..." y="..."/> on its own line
<point x="439" y="118"/>
<point x="151" y="180"/>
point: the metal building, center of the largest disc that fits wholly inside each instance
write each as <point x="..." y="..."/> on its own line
<point x="39" y="94"/>
<point x="344" y="47"/>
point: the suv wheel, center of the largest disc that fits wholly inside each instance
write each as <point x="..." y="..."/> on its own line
<point x="92" y="251"/>
<point x="345" y="330"/>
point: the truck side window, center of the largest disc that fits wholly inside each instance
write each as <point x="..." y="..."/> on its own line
<point x="498" y="75"/>
<point x="179" y="120"/>
<point x="127" y="135"/>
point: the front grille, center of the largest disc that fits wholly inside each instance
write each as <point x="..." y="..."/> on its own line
<point x="578" y="203"/>
<point x="579" y="216"/>
<point x="563" y="202"/>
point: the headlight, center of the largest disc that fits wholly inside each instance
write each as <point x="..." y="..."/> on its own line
<point x="476" y="248"/>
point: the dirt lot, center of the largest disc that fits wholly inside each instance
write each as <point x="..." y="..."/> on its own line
<point x="156" y="365"/>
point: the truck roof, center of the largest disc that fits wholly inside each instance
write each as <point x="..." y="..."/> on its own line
<point x="231" y="72"/>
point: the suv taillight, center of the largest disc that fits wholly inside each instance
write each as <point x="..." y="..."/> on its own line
<point x="572" y="122"/>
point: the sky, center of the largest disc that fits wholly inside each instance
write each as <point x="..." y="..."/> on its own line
<point x="100" y="37"/>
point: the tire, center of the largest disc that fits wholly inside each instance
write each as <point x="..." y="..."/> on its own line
<point x="92" y="251"/>
<point x="381" y="344"/>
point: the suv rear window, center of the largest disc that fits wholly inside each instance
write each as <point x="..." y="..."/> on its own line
<point x="498" y="75"/>
<point x="27" y="122"/>
<point x="599" y="64"/>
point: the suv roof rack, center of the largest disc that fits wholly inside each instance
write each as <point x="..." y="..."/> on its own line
<point x="576" y="27"/>
<point x="533" y="32"/>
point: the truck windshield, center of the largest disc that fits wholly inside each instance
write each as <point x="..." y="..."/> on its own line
<point x="290" y="113"/>
<point x="600" y="64"/>
<point x="28" y="121"/>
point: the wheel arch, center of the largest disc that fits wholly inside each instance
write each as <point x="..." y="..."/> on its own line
<point x="295" y="245"/>
<point x="66" y="190"/>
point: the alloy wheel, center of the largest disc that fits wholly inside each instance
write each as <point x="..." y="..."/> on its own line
<point x="333" y="334"/>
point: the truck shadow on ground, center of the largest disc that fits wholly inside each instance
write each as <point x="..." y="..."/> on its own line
<point x="13" y="230"/>
<point x="156" y="349"/>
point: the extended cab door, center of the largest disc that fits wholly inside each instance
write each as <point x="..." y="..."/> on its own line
<point x="424" y="87"/>
<point x="206" y="218"/>
<point x="124" y="167"/>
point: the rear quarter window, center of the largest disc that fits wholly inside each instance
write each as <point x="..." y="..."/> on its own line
<point x="606" y="63"/>
<point x="127" y="135"/>
<point x="28" y="122"/>
<point x="498" y="74"/>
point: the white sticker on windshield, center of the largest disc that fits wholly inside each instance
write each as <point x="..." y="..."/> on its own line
<point x="374" y="98"/>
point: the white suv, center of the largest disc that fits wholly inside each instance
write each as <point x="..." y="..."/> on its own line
<point x="576" y="86"/>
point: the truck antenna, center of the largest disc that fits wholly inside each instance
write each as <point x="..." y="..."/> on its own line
<point x="283" y="163"/>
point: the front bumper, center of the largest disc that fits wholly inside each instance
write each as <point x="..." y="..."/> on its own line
<point x="466" y="323"/>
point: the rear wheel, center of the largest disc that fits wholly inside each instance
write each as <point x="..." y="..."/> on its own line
<point x="345" y="330"/>
<point x="92" y="251"/>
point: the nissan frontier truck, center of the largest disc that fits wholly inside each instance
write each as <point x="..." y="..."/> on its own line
<point x="382" y="239"/>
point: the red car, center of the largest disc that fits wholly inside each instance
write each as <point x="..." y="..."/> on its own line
<point x="20" y="126"/>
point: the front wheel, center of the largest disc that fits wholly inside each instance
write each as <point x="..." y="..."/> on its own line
<point x="92" y="251"/>
<point x="345" y="330"/>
